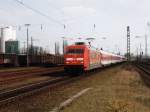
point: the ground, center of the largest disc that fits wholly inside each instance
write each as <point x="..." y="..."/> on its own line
<point x="116" y="89"/>
<point x="123" y="91"/>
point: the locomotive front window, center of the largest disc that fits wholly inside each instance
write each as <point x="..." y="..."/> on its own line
<point x="75" y="51"/>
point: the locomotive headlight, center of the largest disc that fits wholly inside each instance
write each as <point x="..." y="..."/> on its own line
<point x="69" y="59"/>
<point x="79" y="59"/>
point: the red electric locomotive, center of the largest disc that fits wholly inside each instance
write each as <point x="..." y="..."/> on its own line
<point x="81" y="57"/>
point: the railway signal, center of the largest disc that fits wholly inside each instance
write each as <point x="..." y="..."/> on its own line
<point x="90" y="40"/>
<point x="146" y="49"/>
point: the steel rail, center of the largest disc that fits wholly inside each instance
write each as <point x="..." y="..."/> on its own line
<point x="10" y="95"/>
<point x="144" y="67"/>
<point x="18" y="72"/>
<point x="19" y="77"/>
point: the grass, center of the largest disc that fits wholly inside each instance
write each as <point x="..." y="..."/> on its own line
<point x="123" y="91"/>
<point x="16" y="69"/>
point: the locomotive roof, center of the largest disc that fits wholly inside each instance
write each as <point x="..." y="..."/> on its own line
<point x="98" y="50"/>
<point x="77" y="46"/>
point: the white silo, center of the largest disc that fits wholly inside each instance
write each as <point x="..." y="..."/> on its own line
<point x="7" y="33"/>
<point x="1" y="41"/>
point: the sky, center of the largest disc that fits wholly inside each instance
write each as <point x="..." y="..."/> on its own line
<point x="111" y="17"/>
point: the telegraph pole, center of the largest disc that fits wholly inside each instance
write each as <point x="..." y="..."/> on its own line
<point x="146" y="46"/>
<point x="24" y="49"/>
<point x="140" y="52"/>
<point x="64" y="40"/>
<point x="63" y="45"/>
<point x="31" y="52"/>
<point x="32" y="46"/>
<point x="128" y="43"/>
<point x="27" y="25"/>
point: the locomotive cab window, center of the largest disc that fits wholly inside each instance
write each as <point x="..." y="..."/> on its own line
<point x="75" y="51"/>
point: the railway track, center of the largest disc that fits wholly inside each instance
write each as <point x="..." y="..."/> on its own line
<point x="10" y="95"/>
<point x="144" y="70"/>
<point x="27" y="90"/>
<point x="144" y="67"/>
<point x="24" y="75"/>
<point x="24" y="71"/>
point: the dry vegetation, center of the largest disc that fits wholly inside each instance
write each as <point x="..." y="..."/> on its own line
<point x="123" y="91"/>
<point x="17" y="69"/>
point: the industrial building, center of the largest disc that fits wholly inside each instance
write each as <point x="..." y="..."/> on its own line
<point x="65" y="43"/>
<point x="12" y="47"/>
<point x="35" y="50"/>
<point x="57" y="47"/>
<point x="6" y="34"/>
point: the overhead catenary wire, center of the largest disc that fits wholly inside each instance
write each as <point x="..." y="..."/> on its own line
<point x="39" y="12"/>
<point x="56" y="8"/>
